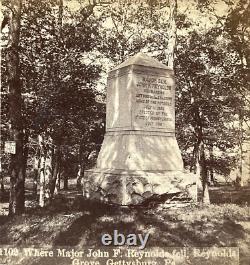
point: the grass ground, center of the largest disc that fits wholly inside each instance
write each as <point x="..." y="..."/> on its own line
<point x="72" y="221"/>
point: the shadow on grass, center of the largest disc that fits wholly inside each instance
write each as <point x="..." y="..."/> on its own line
<point x="228" y="194"/>
<point x="86" y="221"/>
<point x="170" y="231"/>
<point x="165" y="230"/>
<point x="82" y="227"/>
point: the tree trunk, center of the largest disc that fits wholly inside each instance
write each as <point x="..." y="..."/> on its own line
<point x="42" y="183"/>
<point x="2" y="183"/>
<point x="65" y="180"/>
<point x="17" y="178"/>
<point x="241" y="181"/>
<point x="25" y="159"/>
<point x="171" y="33"/>
<point x="45" y="144"/>
<point x="48" y="170"/>
<point x="55" y="170"/>
<point x="35" y="175"/>
<point x="199" y="158"/>
<point x="195" y="159"/>
<point x="211" y="170"/>
<point x="79" y="177"/>
<point x="58" y="182"/>
<point x="204" y="175"/>
<point x="80" y="167"/>
<point x="56" y="175"/>
<point x="35" y="182"/>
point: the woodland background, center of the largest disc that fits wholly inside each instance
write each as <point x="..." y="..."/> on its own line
<point x="55" y="56"/>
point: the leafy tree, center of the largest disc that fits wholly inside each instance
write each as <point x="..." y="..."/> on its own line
<point x="58" y="88"/>
<point x="237" y="31"/>
<point x="65" y="96"/>
<point x="204" y="111"/>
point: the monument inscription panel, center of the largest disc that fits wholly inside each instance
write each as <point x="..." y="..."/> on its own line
<point x="119" y="95"/>
<point x="153" y="106"/>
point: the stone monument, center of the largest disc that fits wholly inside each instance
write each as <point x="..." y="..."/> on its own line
<point x="140" y="157"/>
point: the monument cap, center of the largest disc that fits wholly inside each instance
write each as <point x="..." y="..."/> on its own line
<point x="143" y="60"/>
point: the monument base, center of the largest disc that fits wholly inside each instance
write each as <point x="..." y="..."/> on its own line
<point x="135" y="187"/>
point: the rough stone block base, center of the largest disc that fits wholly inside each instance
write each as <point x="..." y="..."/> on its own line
<point x="135" y="187"/>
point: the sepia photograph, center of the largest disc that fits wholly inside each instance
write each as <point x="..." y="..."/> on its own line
<point x="125" y="132"/>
